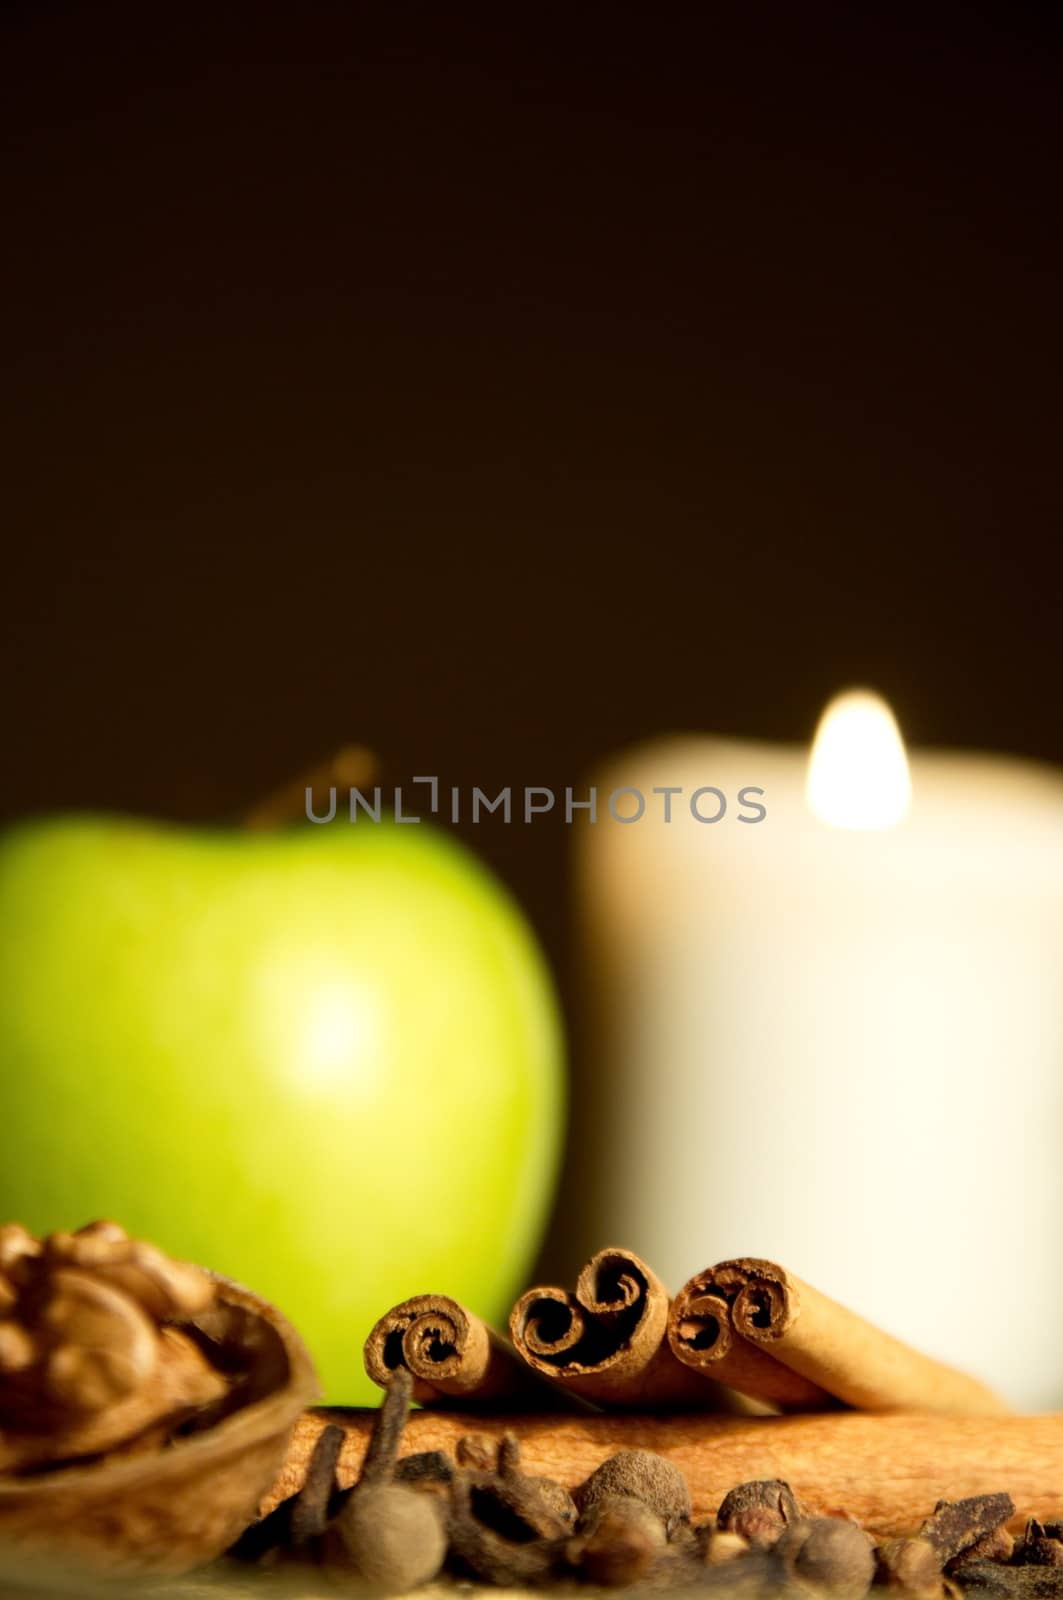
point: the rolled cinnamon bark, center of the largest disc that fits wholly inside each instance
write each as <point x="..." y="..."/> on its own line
<point x="784" y="1321"/>
<point x="701" y="1336"/>
<point x="887" y="1471"/>
<point x="454" y="1357"/>
<point x="607" y="1340"/>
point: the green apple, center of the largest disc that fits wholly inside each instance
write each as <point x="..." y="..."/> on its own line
<point x="325" y="1061"/>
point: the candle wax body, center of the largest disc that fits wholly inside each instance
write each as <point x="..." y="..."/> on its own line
<point x="843" y="1050"/>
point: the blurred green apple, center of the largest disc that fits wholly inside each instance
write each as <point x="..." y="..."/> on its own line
<point x="325" y="1061"/>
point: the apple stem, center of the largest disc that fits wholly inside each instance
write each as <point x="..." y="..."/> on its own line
<point x="353" y="766"/>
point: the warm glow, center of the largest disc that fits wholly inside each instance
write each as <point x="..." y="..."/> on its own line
<point x="319" y="1024"/>
<point x="335" y="1031"/>
<point x="858" y="771"/>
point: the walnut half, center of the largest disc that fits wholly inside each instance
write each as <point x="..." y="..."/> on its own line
<point x="92" y="1355"/>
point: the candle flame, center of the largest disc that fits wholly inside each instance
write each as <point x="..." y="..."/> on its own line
<point x="858" y="771"/>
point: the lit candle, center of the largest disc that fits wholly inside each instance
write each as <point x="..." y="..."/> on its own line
<point x="834" y="1036"/>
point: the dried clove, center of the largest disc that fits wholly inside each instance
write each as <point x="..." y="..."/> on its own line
<point x="1038" y="1546"/>
<point x="827" y="1553"/>
<point x="390" y="1535"/>
<point x="558" y="1500"/>
<point x="310" y="1510"/>
<point x="619" y="1540"/>
<point x="544" y="1503"/>
<point x="630" y="1523"/>
<point x="718" y="1546"/>
<point x="426" y="1469"/>
<point x="644" y="1476"/>
<point x="758" y="1511"/>
<point x="382" y="1449"/>
<point x="298" y="1523"/>
<point x="998" y="1581"/>
<point x="491" y="1538"/>
<point x="477" y="1451"/>
<point x="506" y="1526"/>
<point x="911" y="1567"/>
<point x="267" y="1539"/>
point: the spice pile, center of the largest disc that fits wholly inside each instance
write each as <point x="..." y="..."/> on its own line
<point x="149" y="1410"/>
<point x="478" y="1515"/>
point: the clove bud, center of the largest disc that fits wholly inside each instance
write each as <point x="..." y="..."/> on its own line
<point x="912" y="1568"/>
<point x="718" y="1546"/>
<point x="1040" y="1545"/>
<point x="828" y="1553"/>
<point x="426" y="1469"/>
<point x="619" y="1540"/>
<point x="387" y="1534"/>
<point x="310" y="1510"/>
<point x="501" y="1535"/>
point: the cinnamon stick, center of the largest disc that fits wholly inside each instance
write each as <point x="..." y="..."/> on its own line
<point x="888" y="1471"/>
<point x="454" y="1357"/>
<point x="607" y="1340"/>
<point x="700" y="1335"/>
<point x="776" y="1321"/>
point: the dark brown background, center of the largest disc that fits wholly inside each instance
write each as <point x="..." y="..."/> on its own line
<point x="502" y="386"/>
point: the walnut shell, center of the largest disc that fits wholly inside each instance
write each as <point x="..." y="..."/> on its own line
<point x="177" y="1507"/>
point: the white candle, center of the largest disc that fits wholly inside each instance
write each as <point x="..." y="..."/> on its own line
<point x="835" y="1036"/>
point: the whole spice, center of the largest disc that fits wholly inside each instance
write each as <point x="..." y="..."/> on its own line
<point x="297" y="1525"/>
<point x="629" y="1508"/>
<point x="491" y="1539"/>
<point x="510" y="1527"/>
<point x="824" y="1344"/>
<point x="429" y="1469"/>
<point x="912" y="1568"/>
<point x="1039" y="1546"/>
<point x="640" y="1475"/>
<point x="1001" y="1582"/>
<point x="701" y="1336"/>
<point x="310" y="1512"/>
<point x="718" y="1547"/>
<point x="996" y="1546"/>
<point x="454" y="1357"/>
<point x="827" y="1553"/>
<point x="916" y="1567"/>
<point x="389" y="1535"/>
<point x="886" y="1470"/>
<point x="477" y="1451"/>
<point x="506" y="1526"/>
<point x="758" y="1511"/>
<point x="619" y="1540"/>
<point x="606" y="1341"/>
<point x="543" y="1502"/>
<point x="955" y="1525"/>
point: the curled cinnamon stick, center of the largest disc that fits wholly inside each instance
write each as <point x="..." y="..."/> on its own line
<point x="453" y="1356"/>
<point x="776" y="1317"/>
<point x="702" y="1337"/>
<point x="607" y="1340"/>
